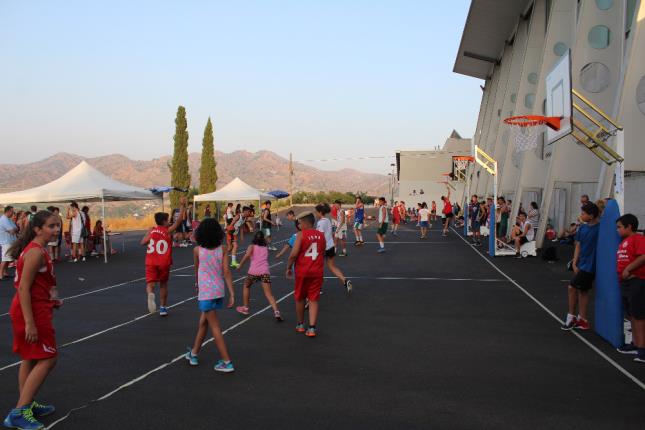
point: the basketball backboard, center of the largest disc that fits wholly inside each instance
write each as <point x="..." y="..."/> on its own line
<point x="558" y="98"/>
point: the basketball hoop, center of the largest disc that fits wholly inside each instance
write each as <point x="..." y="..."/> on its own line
<point x="461" y="161"/>
<point x="525" y="129"/>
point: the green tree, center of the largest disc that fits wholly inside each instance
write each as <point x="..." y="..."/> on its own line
<point x="179" y="173"/>
<point x="208" y="168"/>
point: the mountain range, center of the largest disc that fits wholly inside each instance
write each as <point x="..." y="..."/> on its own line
<point x="263" y="169"/>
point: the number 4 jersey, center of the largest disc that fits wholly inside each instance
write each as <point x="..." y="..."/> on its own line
<point x="311" y="258"/>
<point x="159" y="251"/>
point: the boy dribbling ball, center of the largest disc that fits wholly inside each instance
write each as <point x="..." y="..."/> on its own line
<point x="308" y="255"/>
<point x="159" y="257"/>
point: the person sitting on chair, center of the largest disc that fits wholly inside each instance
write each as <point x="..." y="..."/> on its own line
<point x="522" y="233"/>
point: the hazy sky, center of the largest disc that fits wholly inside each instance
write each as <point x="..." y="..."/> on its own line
<point x="322" y="79"/>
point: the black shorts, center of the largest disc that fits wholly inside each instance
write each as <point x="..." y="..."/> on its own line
<point x="449" y="215"/>
<point x="582" y="280"/>
<point x="252" y="279"/>
<point x="181" y="228"/>
<point x="330" y="253"/>
<point x="523" y="240"/>
<point x="633" y="293"/>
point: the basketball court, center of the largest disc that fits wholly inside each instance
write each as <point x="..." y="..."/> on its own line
<point x="436" y="335"/>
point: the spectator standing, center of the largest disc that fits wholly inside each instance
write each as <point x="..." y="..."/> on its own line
<point x="584" y="267"/>
<point x="76" y="227"/>
<point x="32" y="212"/>
<point x="473" y="217"/>
<point x="534" y="215"/>
<point x="87" y="232"/>
<point x="230" y="213"/>
<point x="630" y="265"/>
<point x="207" y="211"/>
<point x="8" y="230"/>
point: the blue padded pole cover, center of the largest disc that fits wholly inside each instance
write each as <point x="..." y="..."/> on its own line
<point x="608" y="306"/>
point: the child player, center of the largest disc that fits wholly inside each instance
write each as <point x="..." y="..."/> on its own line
<point x="308" y="255"/>
<point x="159" y="257"/>
<point x="359" y="216"/>
<point x="382" y="224"/>
<point x="233" y="231"/>
<point x="630" y="265"/>
<point x="584" y="267"/>
<point x="341" y="229"/>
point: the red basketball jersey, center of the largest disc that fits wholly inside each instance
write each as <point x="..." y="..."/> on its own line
<point x="159" y="251"/>
<point x="311" y="258"/>
<point x="42" y="285"/>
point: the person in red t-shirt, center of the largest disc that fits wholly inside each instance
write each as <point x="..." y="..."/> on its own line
<point x="630" y="265"/>
<point x="31" y="315"/>
<point x="159" y="257"/>
<point x="308" y="254"/>
<point x="396" y="218"/>
<point x="447" y="212"/>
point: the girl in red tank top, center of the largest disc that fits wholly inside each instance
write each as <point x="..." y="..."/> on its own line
<point x="31" y="316"/>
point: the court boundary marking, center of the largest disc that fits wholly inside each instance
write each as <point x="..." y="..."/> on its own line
<point x="162" y="366"/>
<point x="594" y="348"/>
<point x="123" y="324"/>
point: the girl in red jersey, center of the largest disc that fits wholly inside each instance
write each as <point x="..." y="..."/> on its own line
<point x="447" y="212"/>
<point x="31" y="318"/>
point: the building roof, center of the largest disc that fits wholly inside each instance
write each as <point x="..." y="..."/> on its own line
<point x="490" y="24"/>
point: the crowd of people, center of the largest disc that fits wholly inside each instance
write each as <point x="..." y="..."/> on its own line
<point x="318" y="241"/>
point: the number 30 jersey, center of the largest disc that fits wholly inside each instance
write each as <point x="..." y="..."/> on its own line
<point x="311" y="258"/>
<point x="159" y="252"/>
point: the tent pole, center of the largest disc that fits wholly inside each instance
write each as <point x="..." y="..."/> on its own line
<point x="105" y="243"/>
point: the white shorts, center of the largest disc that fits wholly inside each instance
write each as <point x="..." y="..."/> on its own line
<point x="358" y="225"/>
<point x="5" y="255"/>
<point x="342" y="233"/>
<point x="76" y="237"/>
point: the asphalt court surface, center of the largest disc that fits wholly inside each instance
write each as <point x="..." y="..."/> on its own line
<point x="432" y="337"/>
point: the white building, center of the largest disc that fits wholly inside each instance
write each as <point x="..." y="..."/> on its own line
<point x="421" y="175"/>
<point x="511" y="45"/>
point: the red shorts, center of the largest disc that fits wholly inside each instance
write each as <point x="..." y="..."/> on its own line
<point x="308" y="288"/>
<point x="231" y="237"/>
<point x="45" y="346"/>
<point x="396" y="221"/>
<point x="155" y="273"/>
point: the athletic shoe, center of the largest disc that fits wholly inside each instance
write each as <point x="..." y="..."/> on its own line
<point x="222" y="366"/>
<point x="571" y="324"/>
<point x="272" y="248"/>
<point x="235" y="264"/>
<point x="244" y="310"/>
<point x="582" y="324"/>
<point x="628" y="348"/>
<point x="278" y="316"/>
<point x="300" y="328"/>
<point x="311" y="332"/>
<point x="381" y="250"/>
<point x="83" y="259"/>
<point x="640" y="358"/>
<point x="152" y="306"/>
<point x="163" y="311"/>
<point x="348" y="286"/>
<point x="23" y="419"/>
<point x="192" y="358"/>
<point x="357" y="242"/>
<point x="341" y="254"/>
<point x="42" y="410"/>
<point x="395" y="233"/>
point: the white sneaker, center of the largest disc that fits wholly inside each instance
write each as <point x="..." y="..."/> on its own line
<point x="152" y="306"/>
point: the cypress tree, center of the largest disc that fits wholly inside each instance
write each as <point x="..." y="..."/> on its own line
<point x="208" y="168"/>
<point x="179" y="173"/>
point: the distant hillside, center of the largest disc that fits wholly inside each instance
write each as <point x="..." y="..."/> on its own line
<point x="262" y="169"/>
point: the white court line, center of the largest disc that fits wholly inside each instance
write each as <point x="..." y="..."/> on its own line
<point x="163" y="366"/>
<point x="418" y="242"/>
<point x="395" y="278"/>
<point x="621" y="369"/>
<point x="109" y="329"/>
<point x="132" y="281"/>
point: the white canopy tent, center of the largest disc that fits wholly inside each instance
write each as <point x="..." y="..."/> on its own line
<point x="83" y="183"/>
<point x="236" y="190"/>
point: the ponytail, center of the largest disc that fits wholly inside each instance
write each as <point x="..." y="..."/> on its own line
<point x="28" y="234"/>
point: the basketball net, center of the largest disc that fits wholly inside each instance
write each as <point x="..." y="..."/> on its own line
<point x="526" y="136"/>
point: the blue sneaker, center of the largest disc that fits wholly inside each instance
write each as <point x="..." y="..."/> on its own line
<point x="381" y="250"/>
<point x="222" y="366"/>
<point x="40" y="411"/>
<point x="192" y="358"/>
<point x="163" y="311"/>
<point x="22" y="419"/>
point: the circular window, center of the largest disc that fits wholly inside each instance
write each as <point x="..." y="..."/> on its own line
<point x="513" y="98"/>
<point x="529" y="100"/>
<point x="560" y="49"/>
<point x="604" y="4"/>
<point x="640" y="95"/>
<point x="532" y="78"/>
<point x="598" y="37"/>
<point x="595" y="77"/>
